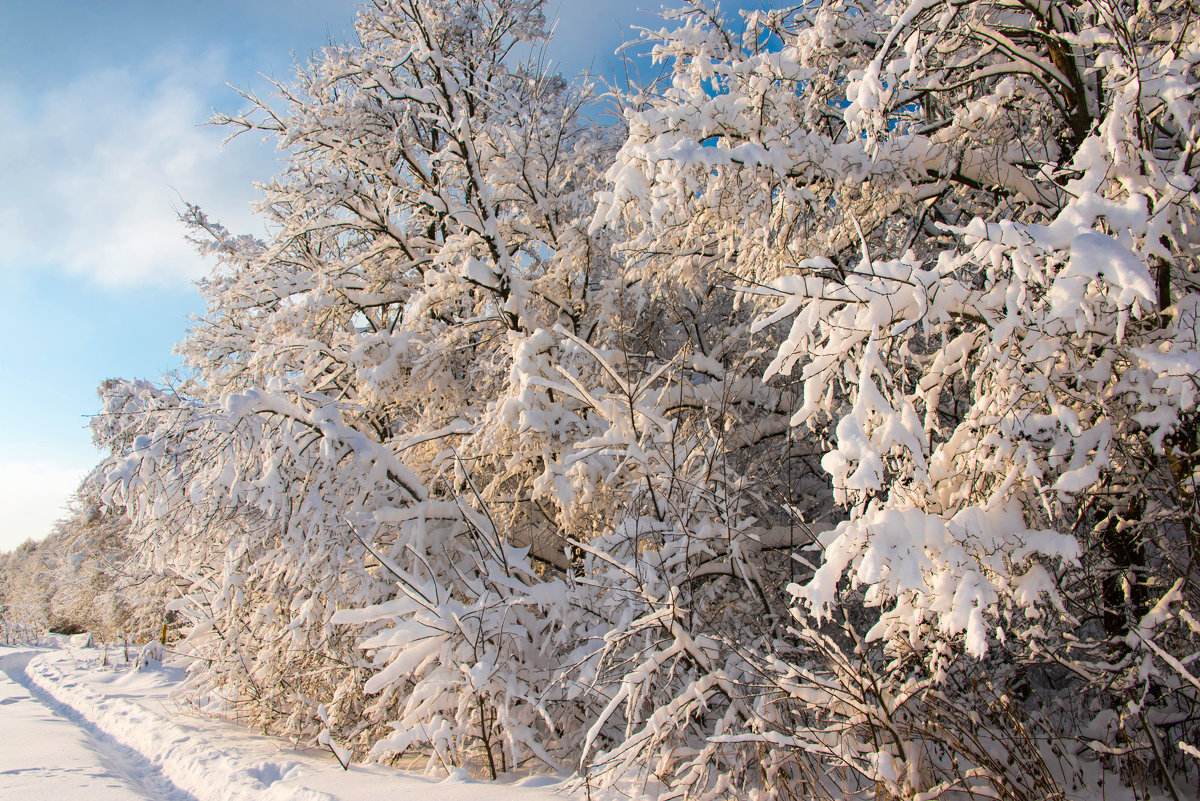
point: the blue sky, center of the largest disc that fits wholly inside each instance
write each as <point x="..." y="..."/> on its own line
<point x="100" y="143"/>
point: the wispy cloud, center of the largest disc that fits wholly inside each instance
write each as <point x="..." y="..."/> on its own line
<point x="95" y="171"/>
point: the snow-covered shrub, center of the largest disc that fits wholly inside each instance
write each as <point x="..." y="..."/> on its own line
<point x="978" y="221"/>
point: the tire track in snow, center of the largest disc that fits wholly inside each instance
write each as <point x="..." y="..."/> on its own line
<point x="139" y="773"/>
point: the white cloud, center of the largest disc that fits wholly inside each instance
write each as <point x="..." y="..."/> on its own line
<point x="95" y="171"/>
<point x="33" y="496"/>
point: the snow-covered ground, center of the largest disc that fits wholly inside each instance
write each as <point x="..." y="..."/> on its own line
<point x="72" y="728"/>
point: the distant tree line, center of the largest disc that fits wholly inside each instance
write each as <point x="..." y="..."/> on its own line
<point x="85" y="577"/>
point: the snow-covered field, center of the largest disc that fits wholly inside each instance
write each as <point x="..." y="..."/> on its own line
<point x="73" y="728"/>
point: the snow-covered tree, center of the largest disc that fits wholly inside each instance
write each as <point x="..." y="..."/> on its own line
<point x="432" y="223"/>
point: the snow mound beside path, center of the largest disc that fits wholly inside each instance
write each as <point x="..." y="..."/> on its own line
<point x="205" y="772"/>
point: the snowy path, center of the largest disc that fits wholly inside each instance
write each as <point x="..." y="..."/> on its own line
<point x="72" y="730"/>
<point x="50" y="752"/>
